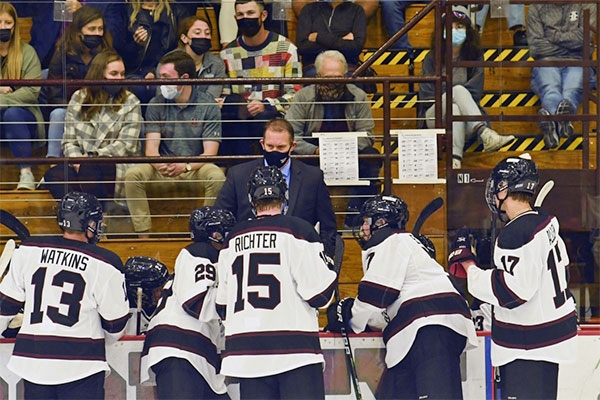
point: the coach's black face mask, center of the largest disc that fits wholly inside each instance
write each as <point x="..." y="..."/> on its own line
<point x="276" y="158"/>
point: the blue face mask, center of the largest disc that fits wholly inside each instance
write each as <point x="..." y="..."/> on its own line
<point x="458" y="36"/>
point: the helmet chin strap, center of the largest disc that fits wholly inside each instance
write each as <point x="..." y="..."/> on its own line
<point x="501" y="213"/>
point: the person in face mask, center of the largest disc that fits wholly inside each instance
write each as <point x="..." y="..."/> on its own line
<point x="336" y="107"/>
<point x="19" y="125"/>
<point x="195" y="37"/>
<point x="308" y="196"/>
<point x="101" y="121"/>
<point x="180" y="121"/>
<point x="257" y="53"/>
<point x="467" y="89"/>
<point x="83" y="39"/>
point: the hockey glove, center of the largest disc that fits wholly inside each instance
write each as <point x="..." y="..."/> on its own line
<point x="339" y="314"/>
<point x="464" y="248"/>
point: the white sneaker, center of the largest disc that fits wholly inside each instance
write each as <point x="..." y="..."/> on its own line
<point x="492" y="141"/>
<point x="456" y="163"/>
<point x="26" y="181"/>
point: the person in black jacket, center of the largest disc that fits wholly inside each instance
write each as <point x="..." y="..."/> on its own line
<point x="308" y="196"/>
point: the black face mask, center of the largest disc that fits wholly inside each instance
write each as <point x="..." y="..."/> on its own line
<point x="276" y="158"/>
<point x="112" y="90"/>
<point x="200" y="45"/>
<point x="5" y="35"/>
<point x="92" y="41"/>
<point x="248" y="26"/>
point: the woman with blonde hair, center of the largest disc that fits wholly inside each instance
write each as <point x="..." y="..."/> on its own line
<point x="101" y="121"/>
<point x="20" y="116"/>
<point x="152" y="32"/>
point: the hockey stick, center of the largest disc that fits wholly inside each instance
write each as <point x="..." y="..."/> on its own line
<point x="350" y="363"/>
<point x="12" y="223"/>
<point x="138" y="304"/>
<point x="539" y="200"/>
<point x="9" y="249"/>
<point x="426" y="212"/>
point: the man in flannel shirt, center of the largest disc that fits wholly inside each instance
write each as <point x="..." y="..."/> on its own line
<point x="256" y="53"/>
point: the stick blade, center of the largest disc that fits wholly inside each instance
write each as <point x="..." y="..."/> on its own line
<point x="429" y="209"/>
<point x="9" y="249"/>
<point x="12" y="223"/>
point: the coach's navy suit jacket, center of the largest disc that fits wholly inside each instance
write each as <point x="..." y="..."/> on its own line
<point x="308" y="197"/>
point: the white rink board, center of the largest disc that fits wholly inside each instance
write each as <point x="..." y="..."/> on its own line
<point x="576" y="381"/>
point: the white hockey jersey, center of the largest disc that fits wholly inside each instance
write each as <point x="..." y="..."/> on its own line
<point x="185" y="324"/>
<point x="138" y="323"/>
<point x="534" y="313"/>
<point x="74" y="298"/>
<point x="272" y="278"/>
<point x="403" y="290"/>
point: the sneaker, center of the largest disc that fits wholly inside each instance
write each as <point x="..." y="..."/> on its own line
<point x="492" y="141"/>
<point x="26" y="181"/>
<point x="456" y="163"/>
<point x="548" y="129"/>
<point x="565" y="128"/>
<point x="520" y="38"/>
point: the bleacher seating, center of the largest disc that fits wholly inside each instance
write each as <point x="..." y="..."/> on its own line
<point x="507" y="92"/>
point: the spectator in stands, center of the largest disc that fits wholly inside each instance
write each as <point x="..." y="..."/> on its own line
<point x="333" y="107"/>
<point x="46" y="30"/>
<point x="228" y="30"/>
<point x="20" y="117"/>
<point x="101" y="121"/>
<point x="467" y="89"/>
<point x="256" y="53"/>
<point x="515" y="18"/>
<point x="393" y="13"/>
<point x="195" y="34"/>
<point x="84" y="38"/>
<point x="370" y="7"/>
<point x="152" y="32"/>
<point x="556" y="33"/>
<point x="308" y="196"/>
<point x="181" y="121"/>
<point x="330" y="26"/>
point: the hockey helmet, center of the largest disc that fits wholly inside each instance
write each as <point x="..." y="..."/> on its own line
<point x="267" y="183"/>
<point x="516" y="175"/>
<point x="77" y="211"/>
<point x="208" y="220"/>
<point x="148" y="274"/>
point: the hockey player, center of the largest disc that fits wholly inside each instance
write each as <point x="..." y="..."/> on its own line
<point x="73" y="294"/>
<point x="534" y="324"/>
<point x="273" y="276"/>
<point x="144" y="277"/>
<point x="425" y="321"/>
<point x="184" y="335"/>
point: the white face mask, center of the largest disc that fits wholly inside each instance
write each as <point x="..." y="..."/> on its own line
<point x="170" y="92"/>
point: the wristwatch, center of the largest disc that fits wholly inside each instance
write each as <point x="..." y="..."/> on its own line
<point x="188" y="167"/>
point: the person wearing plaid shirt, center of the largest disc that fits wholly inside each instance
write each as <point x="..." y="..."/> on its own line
<point x="101" y="121"/>
<point x="256" y="53"/>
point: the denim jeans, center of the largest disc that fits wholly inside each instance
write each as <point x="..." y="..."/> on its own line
<point x="554" y="84"/>
<point x="393" y="19"/>
<point x="56" y="129"/>
<point x="514" y="17"/>
<point x="18" y="127"/>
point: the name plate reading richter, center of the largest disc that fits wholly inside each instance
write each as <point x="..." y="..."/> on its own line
<point x="338" y="157"/>
<point x="417" y="155"/>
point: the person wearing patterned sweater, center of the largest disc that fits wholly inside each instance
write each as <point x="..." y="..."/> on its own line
<point x="256" y="53"/>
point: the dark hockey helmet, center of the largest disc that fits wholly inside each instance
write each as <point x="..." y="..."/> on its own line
<point x="208" y="220"/>
<point x="148" y="274"/>
<point x="267" y="183"/>
<point x="516" y="174"/>
<point x="79" y="211"/>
